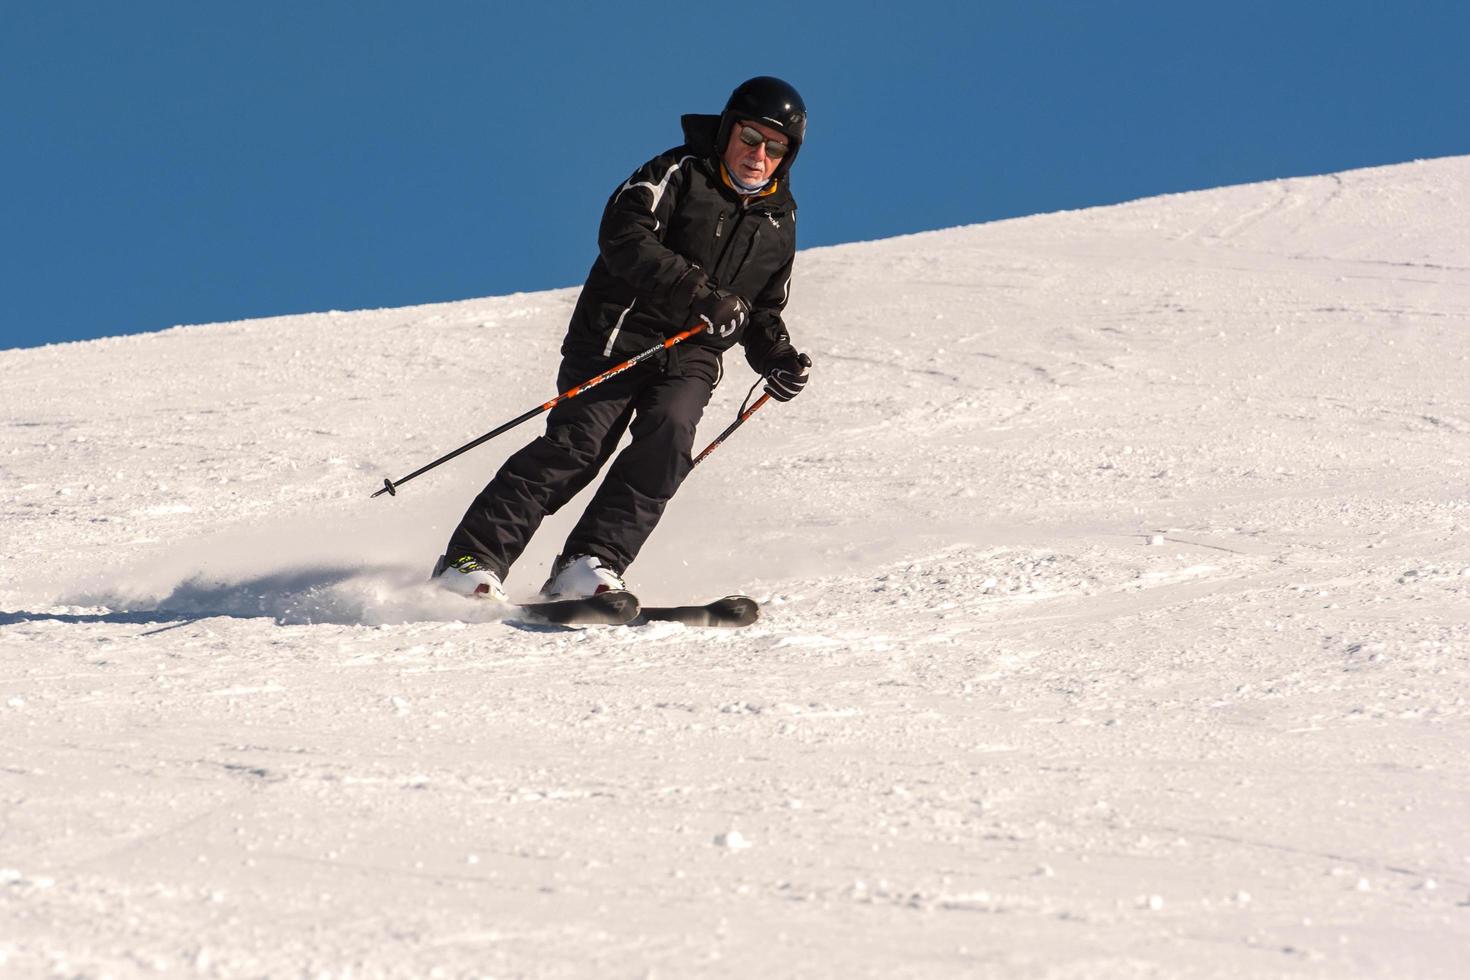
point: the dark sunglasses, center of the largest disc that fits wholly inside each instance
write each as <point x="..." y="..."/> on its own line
<point x="751" y="136"/>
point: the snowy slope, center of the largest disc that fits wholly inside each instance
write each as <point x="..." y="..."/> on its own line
<point x="1117" y="571"/>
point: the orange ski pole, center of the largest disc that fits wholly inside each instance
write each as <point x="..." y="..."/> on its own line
<point x="739" y="421"/>
<point x="390" y="487"/>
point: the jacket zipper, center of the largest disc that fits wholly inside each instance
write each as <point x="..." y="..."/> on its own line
<point x="739" y="219"/>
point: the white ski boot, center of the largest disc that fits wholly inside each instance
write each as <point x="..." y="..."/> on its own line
<point x="468" y="576"/>
<point x="580" y="576"/>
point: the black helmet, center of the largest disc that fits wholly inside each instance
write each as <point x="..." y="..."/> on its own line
<point x="766" y="100"/>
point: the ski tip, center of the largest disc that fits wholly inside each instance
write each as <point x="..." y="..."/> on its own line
<point x="732" y="611"/>
<point x="741" y="609"/>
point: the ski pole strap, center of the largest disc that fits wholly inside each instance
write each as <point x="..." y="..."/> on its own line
<point x="390" y="487"/>
<point x="745" y="402"/>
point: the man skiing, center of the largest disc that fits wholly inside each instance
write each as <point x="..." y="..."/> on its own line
<point x="704" y="233"/>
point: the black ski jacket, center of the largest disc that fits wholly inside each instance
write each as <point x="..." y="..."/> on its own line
<point x="673" y="230"/>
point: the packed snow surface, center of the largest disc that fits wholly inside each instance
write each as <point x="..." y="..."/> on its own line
<point x="1116" y="574"/>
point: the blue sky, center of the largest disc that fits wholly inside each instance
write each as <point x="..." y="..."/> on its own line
<point x="188" y="162"/>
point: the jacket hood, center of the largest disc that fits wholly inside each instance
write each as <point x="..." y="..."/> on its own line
<point x="700" y="132"/>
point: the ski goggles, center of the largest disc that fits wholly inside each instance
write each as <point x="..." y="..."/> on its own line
<point x="751" y="136"/>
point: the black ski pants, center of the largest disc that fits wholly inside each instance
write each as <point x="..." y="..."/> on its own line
<point x="662" y="411"/>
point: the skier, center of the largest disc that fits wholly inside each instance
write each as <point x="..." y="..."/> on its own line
<point x="703" y="233"/>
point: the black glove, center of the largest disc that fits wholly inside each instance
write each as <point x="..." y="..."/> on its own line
<point x="787" y="374"/>
<point x="723" y="313"/>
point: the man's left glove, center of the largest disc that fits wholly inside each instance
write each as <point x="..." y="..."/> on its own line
<point x="787" y="374"/>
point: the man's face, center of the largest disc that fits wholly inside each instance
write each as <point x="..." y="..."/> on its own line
<point x="752" y="164"/>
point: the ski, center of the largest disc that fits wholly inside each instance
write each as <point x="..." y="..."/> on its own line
<point x="620" y="608"/>
<point x="603" y="609"/>
<point x="730" y="612"/>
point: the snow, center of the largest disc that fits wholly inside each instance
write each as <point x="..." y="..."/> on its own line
<point x="1116" y="571"/>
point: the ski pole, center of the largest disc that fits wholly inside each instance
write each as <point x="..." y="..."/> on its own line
<point x="390" y="487"/>
<point x="745" y="413"/>
<point x="739" y="421"/>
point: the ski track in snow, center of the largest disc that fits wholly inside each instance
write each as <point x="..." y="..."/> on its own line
<point x="1116" y="584"/>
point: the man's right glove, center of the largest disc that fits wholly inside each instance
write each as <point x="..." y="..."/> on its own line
<point x="723" y="313"/>
<point x="787" y="375"/>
